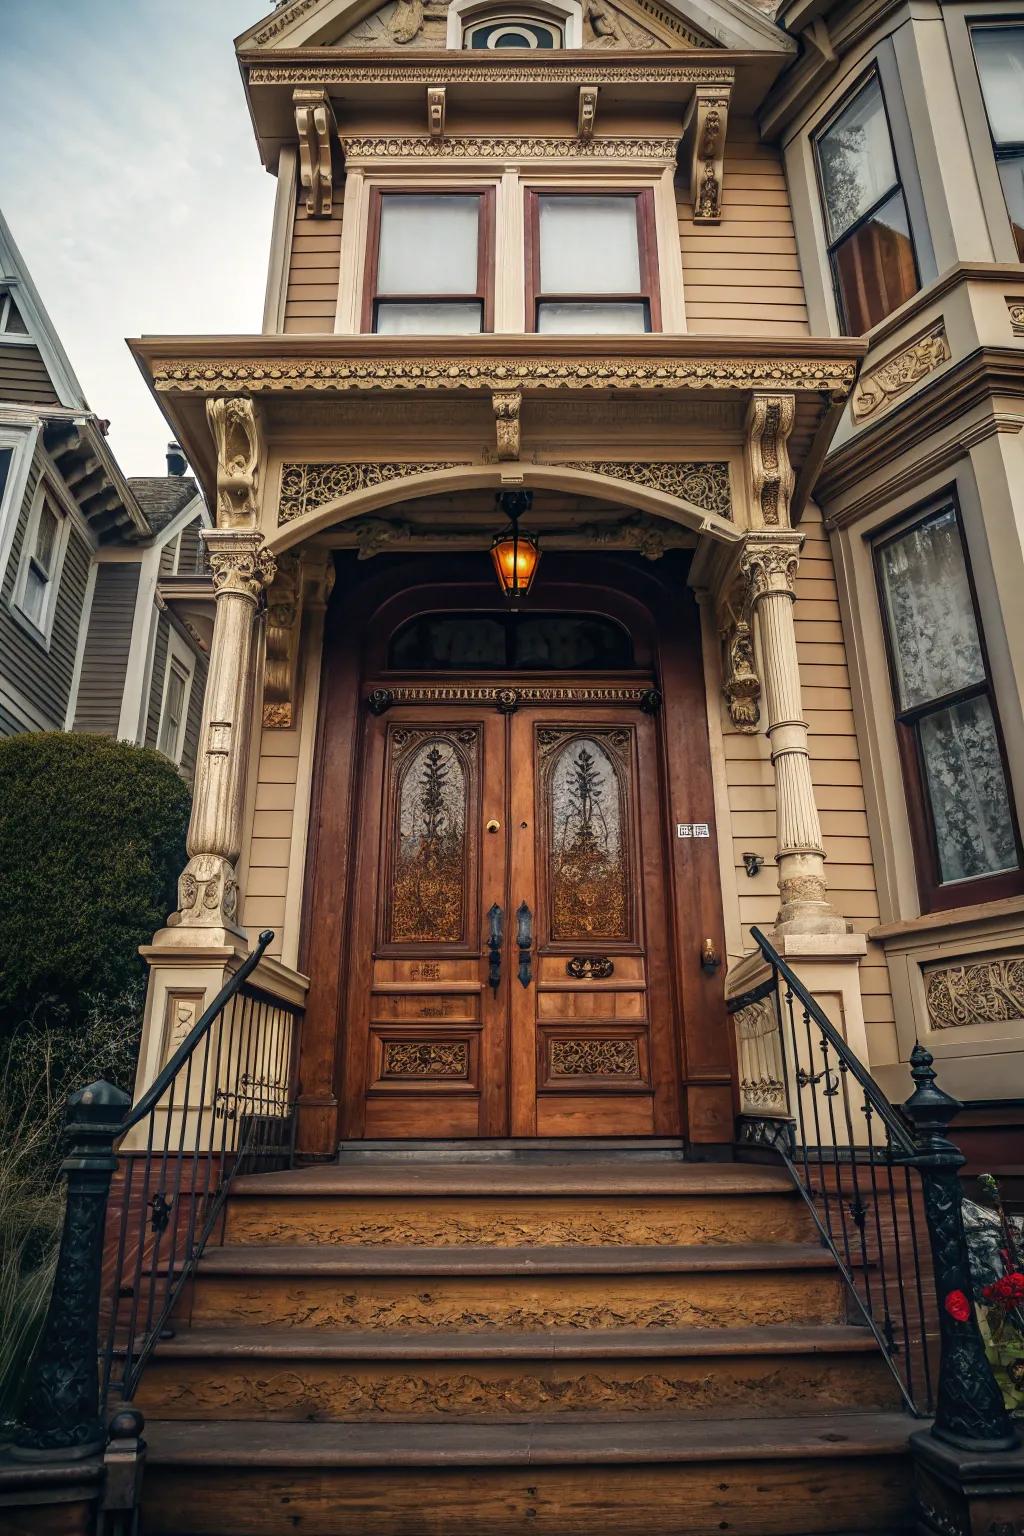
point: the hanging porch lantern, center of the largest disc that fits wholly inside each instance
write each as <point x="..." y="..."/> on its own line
<point x="515" y="554"/>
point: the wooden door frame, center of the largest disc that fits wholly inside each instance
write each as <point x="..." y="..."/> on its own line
<point x="397" y="587"/>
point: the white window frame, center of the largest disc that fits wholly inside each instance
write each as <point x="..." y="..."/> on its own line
<point x="568" y="14"/>
<point x="959" y="21"/>
<point x="16" y="338"/>
<point x="22" y="439"/>
<point x="181" y="660"/>
<point x="42" y="628"/>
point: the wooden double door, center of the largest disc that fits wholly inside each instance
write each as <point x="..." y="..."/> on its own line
<point x="509" y="962"/>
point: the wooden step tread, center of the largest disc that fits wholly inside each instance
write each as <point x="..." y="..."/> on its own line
<point x="298" y="1261"/>
<point x="534" y="1443"/>
<point x="719" y="1179"/>
<point x="551" y="1344"/>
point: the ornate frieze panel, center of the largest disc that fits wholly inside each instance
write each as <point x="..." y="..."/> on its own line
<point x="594" y="1056"/>
<point x="705" y="485"/>
<point x="508" y="147"/>
<point x="983" y="992"/>
<point x="485" y="72"/>
<point x="485" y="693"/>
<point x="306" y="487"/>
<point x="899" y="372"/>
<point x="833" y="376"/>
<point x="425" y="1058"/>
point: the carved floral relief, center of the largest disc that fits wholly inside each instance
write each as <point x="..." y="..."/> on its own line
<point x="984" y="992"/>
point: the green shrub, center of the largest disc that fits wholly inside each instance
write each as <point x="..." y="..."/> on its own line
<point x="92" y="839"/>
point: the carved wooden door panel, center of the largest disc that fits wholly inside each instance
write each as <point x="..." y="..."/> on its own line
<point x="425" y="1033"/>
<point x="592" y="1045"/>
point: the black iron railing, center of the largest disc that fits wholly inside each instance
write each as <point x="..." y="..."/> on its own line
<point x="882" y="1185"/>
<point x="146" y="1188"/>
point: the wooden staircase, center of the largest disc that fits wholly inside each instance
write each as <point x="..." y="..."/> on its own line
<point x="457" y="1349"/>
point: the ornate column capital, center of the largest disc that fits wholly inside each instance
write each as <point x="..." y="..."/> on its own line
<point x="241" y="565"/>
<point x="769" y="562"/>
<point x="770" y="421"/>
<point x="236" y="433"/>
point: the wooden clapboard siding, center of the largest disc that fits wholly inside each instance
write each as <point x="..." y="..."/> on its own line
<point x="23" y="375"/>
<point x="191" y="559"/>
<point x="107" y="647"/>
<point x="313" y="271"/>
<point x="265" y="883"/>
<point x="158" y="676"/>
<point x="838" y="786"/>
<point x="742" y="277"/>
<point x="42" y="674"/>
<point x="194" y="717"/>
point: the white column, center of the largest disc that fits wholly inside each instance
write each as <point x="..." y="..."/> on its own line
<point x="769" y="563"/>
<point x="207" y="889"/>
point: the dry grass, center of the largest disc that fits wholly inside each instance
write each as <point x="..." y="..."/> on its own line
<point x="44" y="1061"/>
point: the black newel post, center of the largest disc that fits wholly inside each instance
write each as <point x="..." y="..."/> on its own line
<point x="969" y="1411"/>
<point x="62" y="1417"/>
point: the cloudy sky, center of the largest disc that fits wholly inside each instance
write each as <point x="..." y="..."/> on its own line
<point x="130" y="179"/>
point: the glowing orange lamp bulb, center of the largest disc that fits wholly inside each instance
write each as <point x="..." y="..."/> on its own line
<point x="515" y="554"/>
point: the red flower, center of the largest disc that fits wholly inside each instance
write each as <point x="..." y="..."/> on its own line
<point x="958" y="1306"/>
<point x="1007" y="1291"/>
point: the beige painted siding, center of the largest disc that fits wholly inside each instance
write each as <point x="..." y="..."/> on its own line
<point x="265" y="882"/>
<point x="23" y="375"/>
<point x="838" y="786"/>
<point x="742" y="277"/>
<point x="313" y="271"/>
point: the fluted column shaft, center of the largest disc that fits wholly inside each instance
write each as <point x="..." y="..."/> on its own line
<point x="207" y="889"/>
<point x="769" y="564"/>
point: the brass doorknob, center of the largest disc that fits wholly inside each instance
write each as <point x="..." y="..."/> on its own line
<point x="493" y="826"/>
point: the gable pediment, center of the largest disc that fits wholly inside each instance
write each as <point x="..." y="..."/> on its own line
<point x="608" y="25"/>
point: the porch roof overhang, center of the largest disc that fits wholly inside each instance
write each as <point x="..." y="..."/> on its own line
<point x="392" y="86"/>
<point x="185" y="371"/>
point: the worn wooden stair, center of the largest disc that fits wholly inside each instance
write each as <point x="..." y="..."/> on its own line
<point x="462" y="1349"/>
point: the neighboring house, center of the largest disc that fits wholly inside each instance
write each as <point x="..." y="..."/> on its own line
<point x="90" y="562"/>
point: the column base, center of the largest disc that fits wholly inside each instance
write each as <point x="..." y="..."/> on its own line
<point x="809" y="917"/>
<point x="966" y="1493"/>
<point x="207" y="895"/>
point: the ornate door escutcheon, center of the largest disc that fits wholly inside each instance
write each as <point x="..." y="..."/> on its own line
<point x="590" y="967"/>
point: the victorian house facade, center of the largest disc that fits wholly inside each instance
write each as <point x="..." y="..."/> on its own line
<point x="711" y="322"/>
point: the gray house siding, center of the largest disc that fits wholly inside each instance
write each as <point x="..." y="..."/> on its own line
<point x="156" y="686"/>
<point x="9" y="724"/>
<point x="192" y="560"/>
<point x="194" y="718"/>
<point x="107" y="647"/>
<point x="44" y="676"/>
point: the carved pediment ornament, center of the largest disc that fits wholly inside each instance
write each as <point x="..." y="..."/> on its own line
<point x="236" y="435"/>
<point x="899" y="372"/>
<point x="317" y="130"/>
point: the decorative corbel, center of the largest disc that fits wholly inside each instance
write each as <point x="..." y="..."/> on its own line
<point x="284" y="623"/>
<point x="587" y="115"/>
<point x="318" y="131"/>
<point x="704" y="132"/>
<point x="769" y="423"/>
<point x="741" y="686"/>
<point x="235" y="429"/>
<point x="435" y="111"/>
<point x="507" y="406"/>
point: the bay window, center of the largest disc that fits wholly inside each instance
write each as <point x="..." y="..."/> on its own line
<point x="999" y="52"/>
<point x="591" y="266"/>
<point x="965" y="835"/>
<point x="430" y="263"/>
<point x="870" y="248"/>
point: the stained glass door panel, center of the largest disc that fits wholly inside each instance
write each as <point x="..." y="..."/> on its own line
<point x="592" y="1049"/>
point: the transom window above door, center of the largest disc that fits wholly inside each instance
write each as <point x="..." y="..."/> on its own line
<point x="870" y="247"/>
<point x="430" y="268"/>
<point x="591" y="266"/>
<point x="1000" y="55"/>
<point x="512" y="30"/>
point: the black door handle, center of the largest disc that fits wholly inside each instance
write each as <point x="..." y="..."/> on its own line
<point x="524" y="941"/>
<point x="495" y="935"/>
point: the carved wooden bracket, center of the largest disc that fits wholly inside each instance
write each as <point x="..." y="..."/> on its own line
<point x="507" y="406"/>
<point x="318" y="133"/>
<point x="741" y="686"/>
<point x="435" y="111"/>
<point x="704" y="137"/>
<point x="284" y="622"/>
<point x="236" y="433"/>
<point x="587" y="116"/>
<point x="769" y="423"/>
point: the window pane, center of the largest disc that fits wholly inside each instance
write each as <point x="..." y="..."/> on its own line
<point x="1000" y="55"/>
<point x="511" y="33"/>
<point x="592" y="319"/>
<point x="411" y="319"/>
<point x="172" y="713"/>
<point x="6" y="459"/>
<point x="875" y="267"/>
<point x="428" y="244"/>
<point x="34" y="599"/>
<point x="967" y="790"/>
<point x="855" y="156"/>
<point x="1011" y="174"/>
<point x="930" y="614"/>
<point x="458" y="640"/>
<point x="46" y="538"/>
<point x="589" y="245"/>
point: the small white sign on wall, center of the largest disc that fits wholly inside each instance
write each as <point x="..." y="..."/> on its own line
<point x="692" y="829"/>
